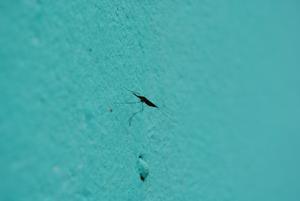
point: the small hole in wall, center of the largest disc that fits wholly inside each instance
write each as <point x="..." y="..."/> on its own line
<point x="142" y="178"/>
<point x="143" y="168"/>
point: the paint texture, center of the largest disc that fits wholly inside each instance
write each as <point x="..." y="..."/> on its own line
<point x="224" y="74"/>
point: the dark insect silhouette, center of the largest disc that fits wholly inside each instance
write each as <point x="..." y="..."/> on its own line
<point x="142" y="100"/>
<point x="145" y="100"/>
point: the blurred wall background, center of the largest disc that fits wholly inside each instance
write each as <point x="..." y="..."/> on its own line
<point x="225" y="75"/>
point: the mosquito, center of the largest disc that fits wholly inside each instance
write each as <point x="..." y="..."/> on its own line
<point x="143" y="100"/>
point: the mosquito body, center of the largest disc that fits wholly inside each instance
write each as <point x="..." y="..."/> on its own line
<point x="143" y="100"/>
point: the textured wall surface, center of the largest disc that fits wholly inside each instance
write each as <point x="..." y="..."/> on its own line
<point x="225" y="75"/>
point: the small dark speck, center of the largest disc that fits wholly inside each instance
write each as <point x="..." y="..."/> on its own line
<point x="142" y="177"/>
<point x="110" y="110"/>
<point x="90" y="49"/>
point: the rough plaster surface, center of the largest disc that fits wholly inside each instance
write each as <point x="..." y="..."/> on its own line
<point x="224" y="73"/>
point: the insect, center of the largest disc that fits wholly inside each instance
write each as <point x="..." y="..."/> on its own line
<point x="143" y="100"/>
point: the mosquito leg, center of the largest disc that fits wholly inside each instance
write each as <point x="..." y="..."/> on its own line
<point x="131" y="118"/>
<point x="134" y="114"/>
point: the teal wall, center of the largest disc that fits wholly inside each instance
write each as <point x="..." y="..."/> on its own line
<point x="225" y="75"/>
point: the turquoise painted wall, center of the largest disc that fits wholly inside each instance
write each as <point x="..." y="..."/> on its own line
<point x="225" y="75"/>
